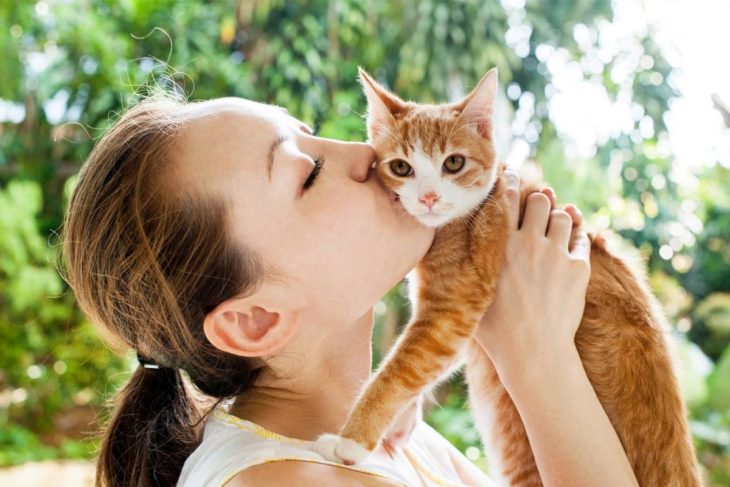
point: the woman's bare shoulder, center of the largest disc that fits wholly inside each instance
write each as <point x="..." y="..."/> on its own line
<point x="305" y="474"/>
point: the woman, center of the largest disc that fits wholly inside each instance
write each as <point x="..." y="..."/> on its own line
<point x="199" y="236"/>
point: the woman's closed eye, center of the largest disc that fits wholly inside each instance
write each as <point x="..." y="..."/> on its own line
<point x="318" y="163"/>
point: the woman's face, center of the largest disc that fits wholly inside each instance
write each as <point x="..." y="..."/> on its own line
<point x="340" y="243"/>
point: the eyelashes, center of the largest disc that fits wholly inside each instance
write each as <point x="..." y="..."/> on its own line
<point x="318" y="163"/>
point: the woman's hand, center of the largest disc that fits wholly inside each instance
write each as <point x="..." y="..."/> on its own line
<point x="541" y="289"/>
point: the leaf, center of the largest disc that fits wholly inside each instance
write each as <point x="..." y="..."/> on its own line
<point x="719" y="384"/>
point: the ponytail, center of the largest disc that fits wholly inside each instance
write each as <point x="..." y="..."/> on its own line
<point x="151" y="431"/>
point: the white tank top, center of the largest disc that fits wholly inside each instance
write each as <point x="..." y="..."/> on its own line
<point x="231" y="444"/>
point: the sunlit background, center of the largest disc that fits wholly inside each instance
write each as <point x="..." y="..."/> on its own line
<point x="625" y="104"/>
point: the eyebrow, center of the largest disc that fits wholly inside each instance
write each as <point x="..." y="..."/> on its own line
<point x="275" y="145"/>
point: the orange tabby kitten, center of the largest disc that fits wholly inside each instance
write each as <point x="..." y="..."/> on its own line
<point x="439" y="161"/>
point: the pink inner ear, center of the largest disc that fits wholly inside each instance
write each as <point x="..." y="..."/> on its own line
<point x="261" y="321"/>
<point x="374" y="128"/>
<point x="478" y="114"/>
<point x="484" y="128"/>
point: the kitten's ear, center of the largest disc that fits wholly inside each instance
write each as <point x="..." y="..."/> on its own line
<point x="382" y="104"/>
<point x="478" y="107"/>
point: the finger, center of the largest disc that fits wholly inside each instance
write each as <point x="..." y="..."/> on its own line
<point x="512" y="180"/>
<point x="550" y="193"/>
<point x="581" y="248"/>
<point x="537" y="211"/>
<point x="559" y="227"/>
<point x="575" y="214"/>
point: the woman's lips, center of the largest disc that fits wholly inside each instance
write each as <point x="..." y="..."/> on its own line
<point x="392" y="196"/>
<point x="373" y="174"/>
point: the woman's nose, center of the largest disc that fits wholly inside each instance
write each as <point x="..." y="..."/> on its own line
<point x="355" y="159"/>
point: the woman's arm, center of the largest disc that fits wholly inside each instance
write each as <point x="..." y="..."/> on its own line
<point x="570" y="435"/>
<point x="528" y="332"/>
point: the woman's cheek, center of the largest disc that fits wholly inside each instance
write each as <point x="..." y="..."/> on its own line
<point x="348" y="210"/>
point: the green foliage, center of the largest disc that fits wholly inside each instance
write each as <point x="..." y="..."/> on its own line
<point x="70" y="68"/>
<point x="56" y="364"/>
<point x="19" y="444"/>
<point x="694" y="367"/>
<point x="452" y="420"/>
<point x="719" y="382"/>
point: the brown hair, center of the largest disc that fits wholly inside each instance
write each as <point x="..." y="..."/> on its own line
<point x="147" y="261"/>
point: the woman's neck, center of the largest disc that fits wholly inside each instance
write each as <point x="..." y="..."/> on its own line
<point x="310" y="393"/>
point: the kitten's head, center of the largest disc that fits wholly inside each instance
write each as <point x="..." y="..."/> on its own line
<point x="437" y="159"/>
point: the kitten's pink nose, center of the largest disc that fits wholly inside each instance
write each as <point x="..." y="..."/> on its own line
<point x="429" y="199"/>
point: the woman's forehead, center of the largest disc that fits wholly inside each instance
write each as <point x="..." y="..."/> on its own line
<point x="251" y="123"/>
<point x="243" y="108"/>
<point x="227" y="134"/>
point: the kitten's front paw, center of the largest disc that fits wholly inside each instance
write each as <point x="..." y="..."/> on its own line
<point x="341" y="450"/>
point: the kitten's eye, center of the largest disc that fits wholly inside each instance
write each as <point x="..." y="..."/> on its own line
<point x="454" y="163"/>
<point x="401" y="168"/>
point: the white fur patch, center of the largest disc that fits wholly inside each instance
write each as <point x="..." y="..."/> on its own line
<point x="454" y="200"/>
<point x="334" y="448"/>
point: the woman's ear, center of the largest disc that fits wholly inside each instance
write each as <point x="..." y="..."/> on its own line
<point x="251" y="326"/>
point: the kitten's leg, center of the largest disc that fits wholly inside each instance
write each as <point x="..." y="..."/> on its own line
<point x="401" y="429"/>
<point x="496" y="417"/>
<point x="427" y="348"/>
